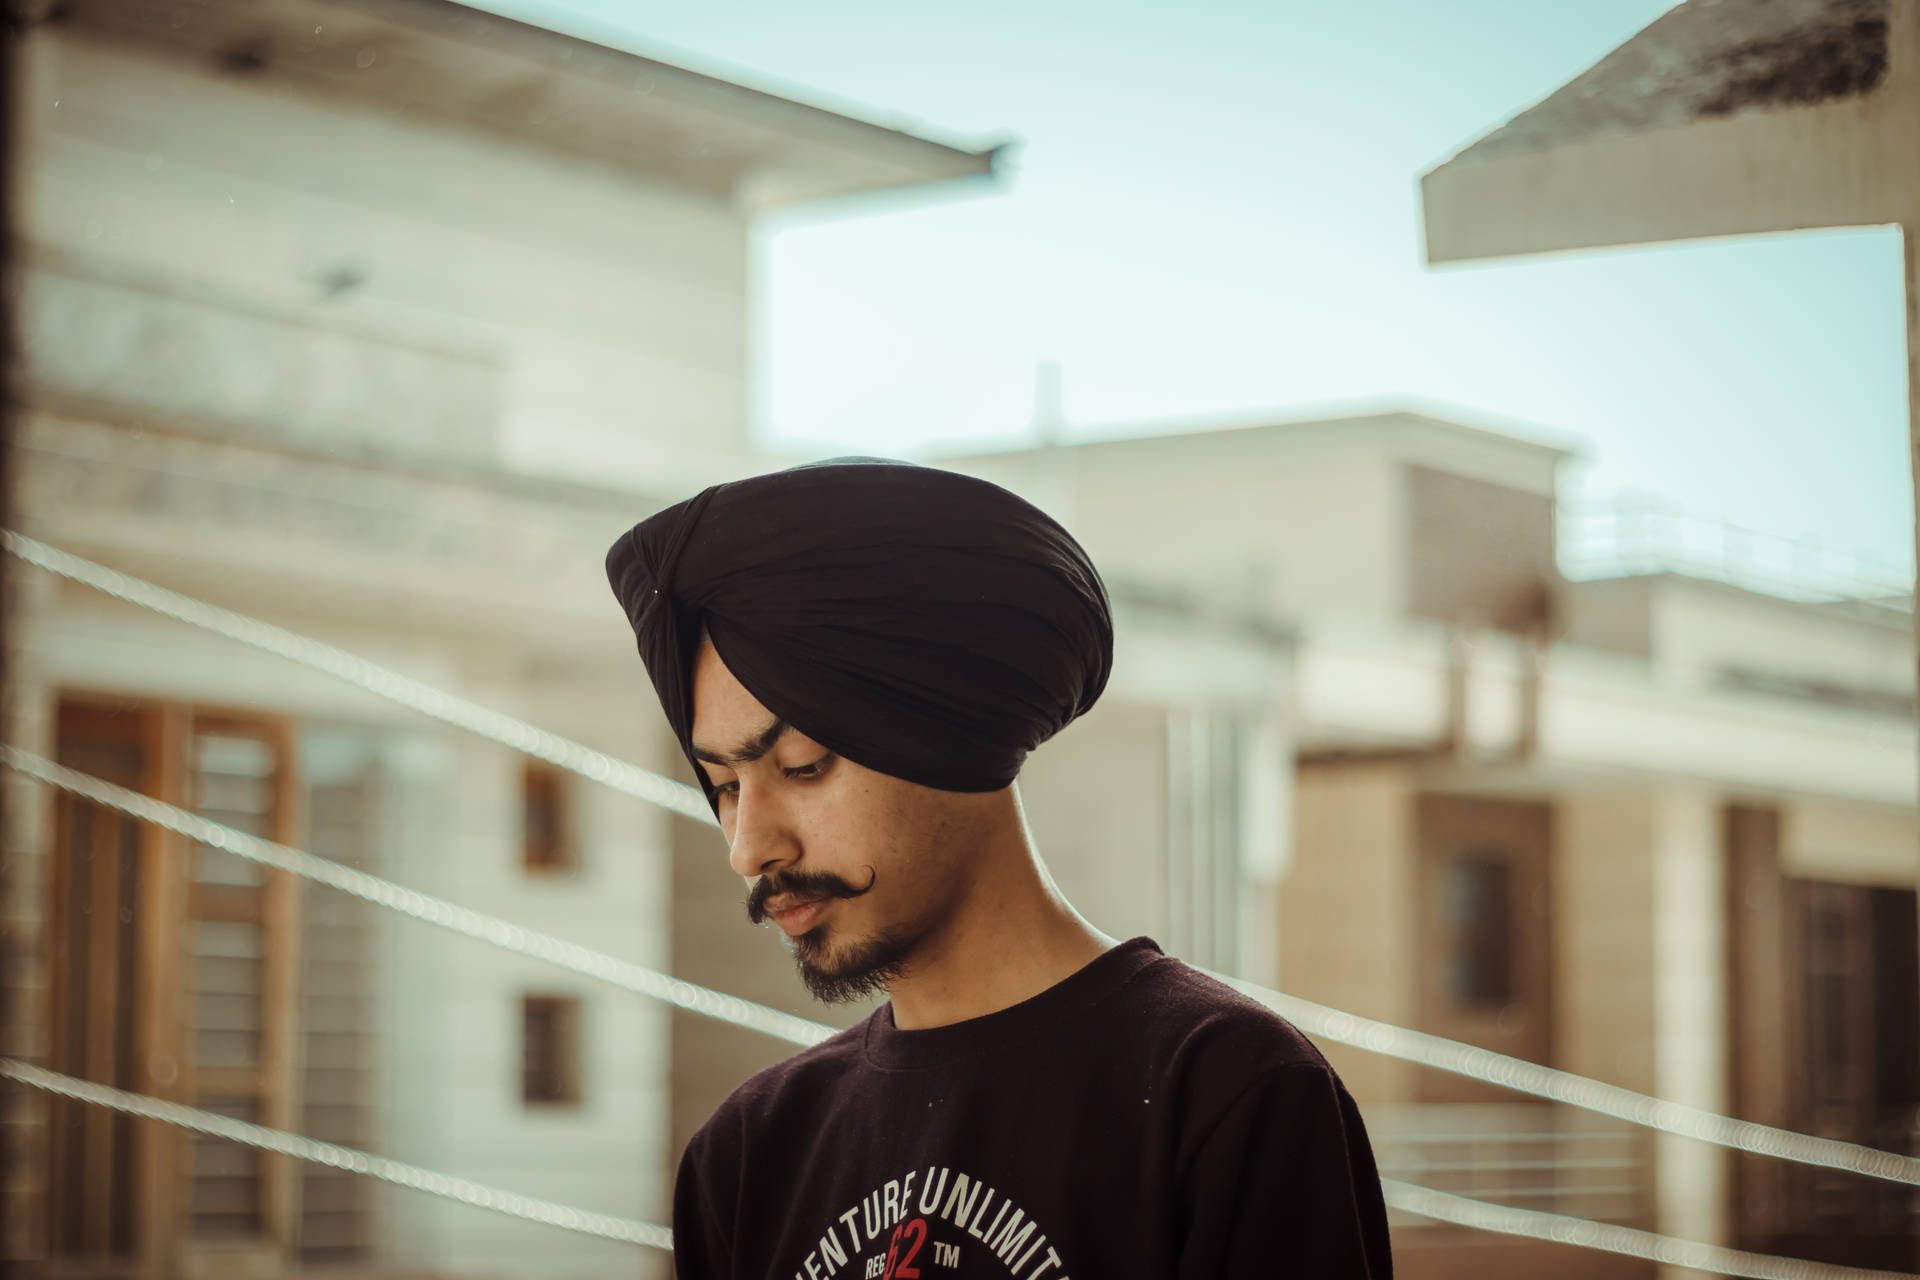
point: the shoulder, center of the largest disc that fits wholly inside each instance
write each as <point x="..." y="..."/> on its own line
<point x="1231" y="1066"/>
<point x="1191" y="1015"/>
<point x="1205" y="1048"/>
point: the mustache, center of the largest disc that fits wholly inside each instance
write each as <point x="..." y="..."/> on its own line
<point x="801" y="884"/>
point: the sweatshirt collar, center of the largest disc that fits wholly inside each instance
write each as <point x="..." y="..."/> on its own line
<point x="889" y="1047"/>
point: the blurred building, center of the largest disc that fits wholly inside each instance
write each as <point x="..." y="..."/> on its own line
<point x="308" y="293"/>
<point x="1657" y="828"/>
<point x="314" y="293"/>
<point x="1720" y="119"/>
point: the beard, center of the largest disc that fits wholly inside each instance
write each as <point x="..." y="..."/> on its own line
<point x="844" y="975"/>
<point x="855" y="972"/>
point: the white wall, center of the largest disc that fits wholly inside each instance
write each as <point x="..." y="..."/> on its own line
<point x="1305" y="520"/>
<point x="1096" y="802"/>
<point x="611" y="306"/>
<point x="454" y="1010"/>
<point x="1857" y="844"/>
<point x="1699" y="627"/>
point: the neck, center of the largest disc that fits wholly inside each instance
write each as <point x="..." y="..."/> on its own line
<point x="1013" y="938"/>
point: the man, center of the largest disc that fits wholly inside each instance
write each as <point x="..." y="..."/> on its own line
<point x="857" y="656"/>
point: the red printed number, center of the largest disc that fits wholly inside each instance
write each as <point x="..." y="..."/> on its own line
<point x="914" y="1235"/>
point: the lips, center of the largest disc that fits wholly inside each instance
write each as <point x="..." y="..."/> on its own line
<point x="795" y="918"/>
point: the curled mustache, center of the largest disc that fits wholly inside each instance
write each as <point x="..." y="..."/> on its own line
<point x="803" y="885"/>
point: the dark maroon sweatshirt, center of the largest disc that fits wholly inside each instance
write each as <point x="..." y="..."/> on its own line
<point x="1137" y="1121"/>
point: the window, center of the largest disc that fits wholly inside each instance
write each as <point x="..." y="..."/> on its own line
<point x="546" y="837"/>
<point x="243" y="989"/>
<point x="1484" y="955"/>
<point x="550" y="1051"/>
<point x="1477" y="897"/>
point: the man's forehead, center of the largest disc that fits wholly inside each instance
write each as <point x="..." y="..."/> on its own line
<point x="730" y="725"/>
<point x="721" y="704"/>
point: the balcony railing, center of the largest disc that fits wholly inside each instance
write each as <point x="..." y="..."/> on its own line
<point x="1527" y="1155"/>
<point x="1637" y="535"/>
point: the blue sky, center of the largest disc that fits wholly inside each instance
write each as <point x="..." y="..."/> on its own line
<point x="1212" y="213"/>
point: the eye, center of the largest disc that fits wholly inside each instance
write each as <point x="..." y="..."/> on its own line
<point x="725" y="788"/>
<point x="806" y="772"/>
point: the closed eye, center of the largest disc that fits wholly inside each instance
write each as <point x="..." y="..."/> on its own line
<point x="799" y="773"/>
<point x="807" y="772"/>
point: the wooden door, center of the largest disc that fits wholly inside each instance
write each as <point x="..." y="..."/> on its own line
<point x="1825" y="1019"/>
<point x="1859" y="1076"/>
<point x="172" y="973"/>
<point x="96" y="974"/>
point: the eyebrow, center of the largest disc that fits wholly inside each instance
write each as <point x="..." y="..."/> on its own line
<point x="753" y="749"/>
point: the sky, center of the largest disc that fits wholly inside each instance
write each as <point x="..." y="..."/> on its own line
<point x="1211" y="214"/>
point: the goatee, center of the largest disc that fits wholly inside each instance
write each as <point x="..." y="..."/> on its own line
<point x="860" y="970"/>
<point x="863" y="969"/>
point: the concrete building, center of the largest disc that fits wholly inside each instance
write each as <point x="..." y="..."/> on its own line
<point x="309" y="295"/>
<point x="313" y="292"/>
<point x="1729" y="118"/>
<point x="1658" y="829"/>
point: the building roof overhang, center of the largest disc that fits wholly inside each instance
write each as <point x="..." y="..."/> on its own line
<point x="1382" y="422"/>
<point x="442" y="61"/>
<point x="1722" y="117"/>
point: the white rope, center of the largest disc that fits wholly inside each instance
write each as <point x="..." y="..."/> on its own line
<point x="1317" y="1019"/>
<point x="511" y="1203"/>
<point x="686" y="995"/>
<point x="421" y="906"/>
<point x="1438" y="1205"/>
<point x="1578" y="1091"/>
<point x="1443" y="1206"/>
<point x="381" y="681"/>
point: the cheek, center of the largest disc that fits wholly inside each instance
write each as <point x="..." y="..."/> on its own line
<point x="912" y="839"/>
<point x="928" y="846"/>
<point x="857" y="826"/>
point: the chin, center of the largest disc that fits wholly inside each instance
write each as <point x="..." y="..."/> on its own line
<point x="852" y="970"/>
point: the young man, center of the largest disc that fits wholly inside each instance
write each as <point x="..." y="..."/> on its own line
<point x="857" y="656"/>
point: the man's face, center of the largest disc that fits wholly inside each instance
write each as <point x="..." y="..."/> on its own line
<point x="860" y="869"/>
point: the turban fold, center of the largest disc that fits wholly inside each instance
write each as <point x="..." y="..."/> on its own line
<point x="919" y="622"/>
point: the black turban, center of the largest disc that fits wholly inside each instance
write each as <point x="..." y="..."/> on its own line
<point x="922" y="623"/>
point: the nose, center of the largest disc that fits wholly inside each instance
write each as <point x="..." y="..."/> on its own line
<point x="760" y="839"/>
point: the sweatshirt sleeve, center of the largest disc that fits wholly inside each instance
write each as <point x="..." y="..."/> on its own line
<point x="1285" y="1185"/>
<point x="700" y="1242"/>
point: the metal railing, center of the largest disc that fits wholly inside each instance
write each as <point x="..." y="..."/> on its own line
<point x="1547" y="1158"/>
<point x="1636" y="534"/>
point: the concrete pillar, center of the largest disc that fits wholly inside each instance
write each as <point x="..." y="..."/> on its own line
<point x="26" y="844"/>
<point x="1690" y="1047"/>
<point x="1904" y="33"/>
<point x="1347" y="912"/>
<point x="1603" y="956"/>
<point x="1910" y="254"/>
<point x="1266" y="843"/>
<point x="1641" y="975"/>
